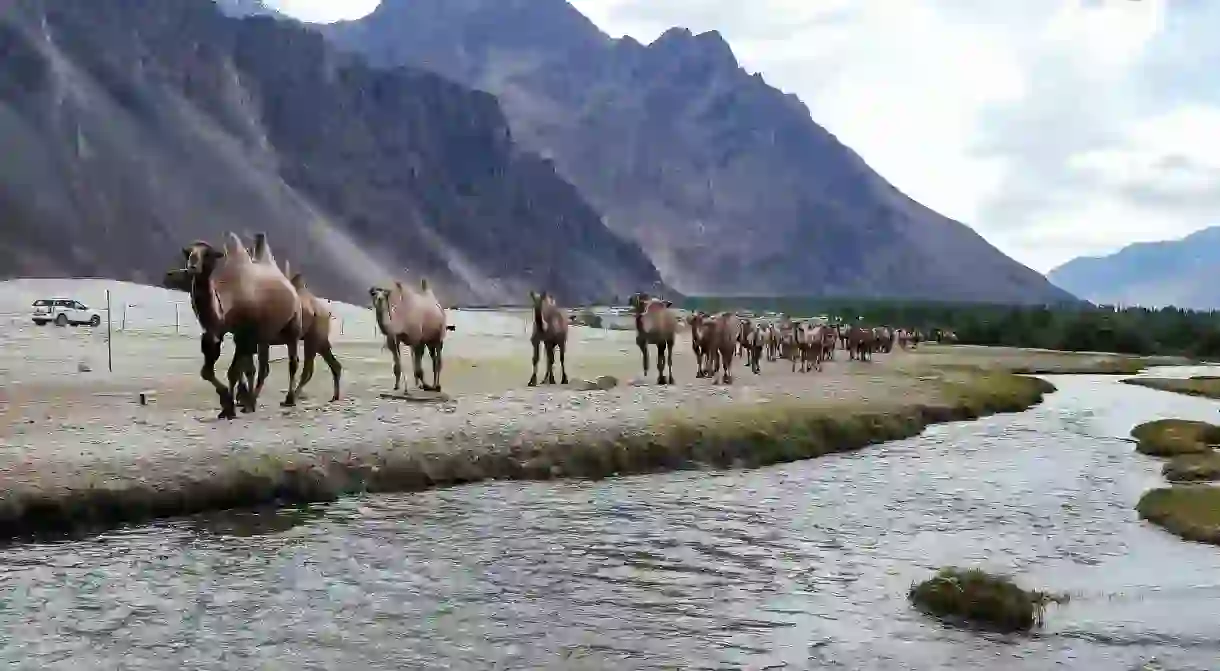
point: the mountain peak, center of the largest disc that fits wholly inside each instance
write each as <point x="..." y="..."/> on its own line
<point x="683" y="43"/>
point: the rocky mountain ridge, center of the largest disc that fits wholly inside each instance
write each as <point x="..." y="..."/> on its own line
<point x="727" y="183"/>
<point x="132" y="128"/>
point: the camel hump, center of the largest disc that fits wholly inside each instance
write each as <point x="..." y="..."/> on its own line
<point x="298" y="281"/>
<point x="423" y="284"/>
<point x="262" y="250"/>
<point x="234" y="249"/>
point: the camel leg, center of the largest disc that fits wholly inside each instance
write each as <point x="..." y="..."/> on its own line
<point x="311" y="352"/>
<point x="264" y="369"/>
<point x="397" y="355"/>
<point x="242" y="359"/>
<point x="728" y="368"/>
<point x="643" y="345"/>
<point x="336" y="369"/>
<point x="549" y="378"/>
<point x="211" y="353"/>
<point x="669" y="361"/>
<point x="417" y="365"/>
<point x="435" y="352"/>
<point x="534" y="376"/>
<point x="294" y="362"/>
<point x="563" y="362"/>
<point x="661" y="363"/>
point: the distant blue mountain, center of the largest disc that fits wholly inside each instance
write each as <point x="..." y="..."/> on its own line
<point x="1182" y="272"/>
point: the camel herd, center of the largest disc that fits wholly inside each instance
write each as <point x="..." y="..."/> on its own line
<point x="241" y="292"/>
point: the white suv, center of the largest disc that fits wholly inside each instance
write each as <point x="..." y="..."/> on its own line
<point x="64" y="311"/>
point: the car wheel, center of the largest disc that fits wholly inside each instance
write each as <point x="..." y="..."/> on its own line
<point x="96" y="321"/>
<point x="61" y="320"/>
<point x="40" y="322"/>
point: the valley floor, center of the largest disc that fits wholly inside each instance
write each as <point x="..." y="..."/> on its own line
<point x="67" y="435"/>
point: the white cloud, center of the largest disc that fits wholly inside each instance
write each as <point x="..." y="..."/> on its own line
<point x="324" y="11"/>
<point x="1053" y="127"/>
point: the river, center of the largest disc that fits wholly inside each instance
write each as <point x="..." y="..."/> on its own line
<point x="797" y="566"/>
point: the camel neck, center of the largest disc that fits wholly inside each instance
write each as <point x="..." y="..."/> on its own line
<point x="204" y="302"/>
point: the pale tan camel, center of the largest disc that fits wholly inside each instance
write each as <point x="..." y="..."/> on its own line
<point x="412" y="317"/>
<point x="655" y="324"/>
<point x="551" y="331"/>
<point x="231" y="293"/>
<point x="316" y="323"/>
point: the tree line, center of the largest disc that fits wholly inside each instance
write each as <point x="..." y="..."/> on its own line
<point x="1069" y="327"/>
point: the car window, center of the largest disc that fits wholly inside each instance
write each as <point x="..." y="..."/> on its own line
<point x="79" y="306"/>
<point x="41" y="303"/>
<point x="61" y="304"/>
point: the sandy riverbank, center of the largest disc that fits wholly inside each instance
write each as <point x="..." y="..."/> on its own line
<point x="79" y="452"/>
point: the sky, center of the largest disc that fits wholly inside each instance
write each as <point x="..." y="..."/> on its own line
<point x="1055" y="128"/>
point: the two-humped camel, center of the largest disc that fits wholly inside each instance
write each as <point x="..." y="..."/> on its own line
<point x="697" y="322"/>
<point x="720" y="344"/>
<point x="232" y="293"/>
<point x="411" y="317"/>
<point x="315" y="334"/>
<point x="655" y="324"/>
<point x="551" y="331"/>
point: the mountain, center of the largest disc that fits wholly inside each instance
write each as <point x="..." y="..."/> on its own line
<point x="132" y="128"/>
<point x="1179" y="272"/>
<point x="726" y="182"/>
<point x="244" y="8"/>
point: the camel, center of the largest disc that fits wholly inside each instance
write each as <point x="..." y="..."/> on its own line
<point x="722" y="342"/>
<point x="860" y="343"/>
<point x="315" y="323"/>
<point x="411" y="317"/>
<point x="746" y="336"/>
<point x="883" y="339"/>
<point x="699" y="329"/>
<point x="772" y="340"/>
<point x="232" y="293"/>
<point x="754" y="347"/>
<point x="551" y="330"/>
<point x="655" y="324"/>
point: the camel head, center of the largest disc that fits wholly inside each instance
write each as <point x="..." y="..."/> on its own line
<point x="540" y="299"/>
<point x="200" y="258"/>
<point x="380" y="298"/>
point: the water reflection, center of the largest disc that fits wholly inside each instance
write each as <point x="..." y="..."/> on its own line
<point x="799" y="566"/>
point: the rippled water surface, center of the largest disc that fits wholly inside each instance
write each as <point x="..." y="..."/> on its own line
<point x="798" y="566"/>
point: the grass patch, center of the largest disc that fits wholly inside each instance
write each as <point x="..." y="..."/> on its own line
<point x="1174" y="437"/>
<point x="1191" y="512"/>
<point x="977" y="598"/>
<point x="1203" y="467"/>
<point x="1114" y="365"/>
<point x="1204" y="386"/>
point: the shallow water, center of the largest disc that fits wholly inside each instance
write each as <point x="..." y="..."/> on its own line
<point x="798" y="566"/>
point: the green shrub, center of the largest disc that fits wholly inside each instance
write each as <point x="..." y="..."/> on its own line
<point x="975" y="597"/>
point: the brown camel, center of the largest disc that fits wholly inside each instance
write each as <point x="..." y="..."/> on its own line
<point x="721" y="345"/>
<point x="772" y="340"/>
<point x="315" y="321"/>
<point x="551" y="330"/>
<point x="414" y="318"/>
<point x="655" y="324"/>
<point x="860" y="342"/>
<point x="754" y="347"/>
<point x="231" y="293"/>
<point x="699" y="329"/>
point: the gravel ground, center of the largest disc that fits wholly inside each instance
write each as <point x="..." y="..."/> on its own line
<point x="63" y="430"/>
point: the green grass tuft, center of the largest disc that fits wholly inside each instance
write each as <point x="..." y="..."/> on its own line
<point x="1204" y="386"/>
<point x="1203" y="467"/>
<point x="1191" y="512"/>
<point x="978" y="598"/>
<point x="1174" y="437"/>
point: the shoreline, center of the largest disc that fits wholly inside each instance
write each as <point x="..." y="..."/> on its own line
<point x="82" y="457"/>
<point x="68" y="498"/>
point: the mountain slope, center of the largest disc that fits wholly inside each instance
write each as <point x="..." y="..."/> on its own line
<point x="1154" y="274"/>
<point x="727" y="183"/>
<point x="133" y="127"/>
